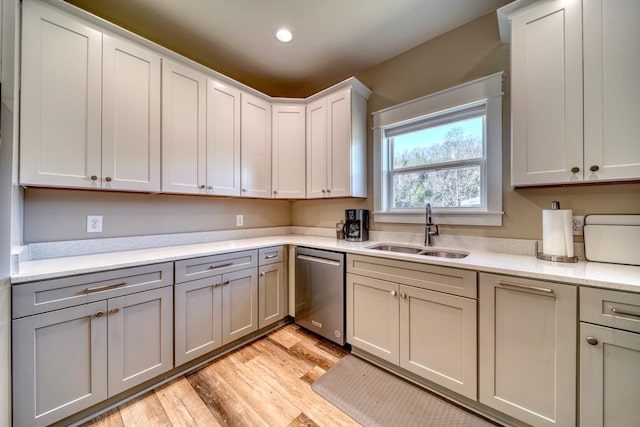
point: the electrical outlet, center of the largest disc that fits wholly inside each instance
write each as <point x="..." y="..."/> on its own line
<point x="94" y="223"/>
<point x="578" y="225"/>
<point x="239" y="220"/>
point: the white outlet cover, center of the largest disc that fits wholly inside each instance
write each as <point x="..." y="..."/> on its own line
<point x="94" y="223"/>
<point x="239" y="220"/>
<point x="578" y="225"/>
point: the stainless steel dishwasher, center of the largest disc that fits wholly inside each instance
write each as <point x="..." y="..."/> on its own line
<point x="320" y="293"/>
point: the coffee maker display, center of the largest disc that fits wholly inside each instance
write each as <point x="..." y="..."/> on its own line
<point x="356" y="227"/>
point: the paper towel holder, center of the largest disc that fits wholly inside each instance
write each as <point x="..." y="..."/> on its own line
<point x="555" y="258"/>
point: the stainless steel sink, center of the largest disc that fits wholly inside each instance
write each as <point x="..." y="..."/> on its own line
<point x="418" y="250"/>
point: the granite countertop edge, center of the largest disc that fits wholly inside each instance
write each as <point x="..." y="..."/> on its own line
<point x="594" y="274"/>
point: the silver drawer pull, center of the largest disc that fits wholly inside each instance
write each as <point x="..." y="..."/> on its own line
<point x="318" y="259"/>
<point x="271" y="256"/>
<point x="531" y="288"/>
<point x="215" y="267"/>
<point x="624" y="312"/>
<point x="114" y="310"/>
<point x="105" y="287"/>
<point x="99" y="314"/>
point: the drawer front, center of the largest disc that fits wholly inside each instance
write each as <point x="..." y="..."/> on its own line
<point x="606" y="307"/>
<point x="197" y="268"/>
<point x="443" y="279"/>
<point x="39" y="297"/>
<point x="270" y="255"/>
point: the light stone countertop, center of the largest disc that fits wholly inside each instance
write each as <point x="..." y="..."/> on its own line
<point x="612" y="276"/>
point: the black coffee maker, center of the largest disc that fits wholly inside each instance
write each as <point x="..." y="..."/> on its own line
<point x="356" y="227"/>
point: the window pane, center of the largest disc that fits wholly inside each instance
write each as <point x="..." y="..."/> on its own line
<point x="461" y="140"/>
<point x="445" y="188"/>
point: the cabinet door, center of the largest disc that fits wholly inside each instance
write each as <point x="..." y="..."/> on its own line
<point x="130" y="117"/>
<point x="528" y="349"/>
<point x="438" y="338"/>
<point x="140" y="337"/>
<point x="198" y="318"/>
<point x="317" y="149"/>
<point x="272" y="294"/>
<point x="373" y="316"/>
<point x="239" y="304"/>
<point x="546" y="93"/>
<point x="289" y="172"/>
<point x="183" y="129"/>
<point x="611" y="94"/>
<point x="339" y="144"/>
<point x="60" y="125"/>
<point x="609" y="377"/>
<point x="256" y="147"/>
<point x="59" y="363"/>
<point x="223" y="139"/>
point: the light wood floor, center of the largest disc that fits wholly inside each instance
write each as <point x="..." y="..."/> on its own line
<point x="267" y="382"/>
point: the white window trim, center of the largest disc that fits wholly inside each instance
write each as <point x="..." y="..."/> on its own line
<point x="488" y="89"/>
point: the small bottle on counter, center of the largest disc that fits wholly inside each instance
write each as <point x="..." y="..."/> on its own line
<point x="340" y="230"/>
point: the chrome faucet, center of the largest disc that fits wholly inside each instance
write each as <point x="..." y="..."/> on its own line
<point x="429" y="226"/>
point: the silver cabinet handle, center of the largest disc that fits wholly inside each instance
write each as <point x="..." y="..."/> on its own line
<point x="594" y="168"/>
<point x="318" y="259"/>
<point x="108" y="179"/>
<point x="217" y="285"/>
<point x="262" y="274"/>
<point x="531" y="288"/>
<point x="99" y="314"/>
<point x="114" y="310"/>
<point x="215" y="267"/>
<point x="244" y="190"/>
<point x="592" y="341"/>
<point x="324" y="191"/>
<point x="575" y="169"/>
<point x="271" y="256"/>
<point x="209" y="187"/>
<point x="403" y="295"/>
<point x="275" y="192"/>
<point x="226" y="282"/>
<point x="202" y="186"/>
<point x="624" y="312"/>
<point x="94" y="178"/>
<point x="328" y="190"/>
<point x="105" y="287"/>
<point x="393" y="293"/>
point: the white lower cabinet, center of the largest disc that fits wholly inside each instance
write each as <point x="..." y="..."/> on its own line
<point x="528" y="349"/>
<point x="216" y="309"/>
<point x="272" y="294"/>
<point x="429" y="333"/>
<point x="69" y="358"/>
<point x="609" y="358"/>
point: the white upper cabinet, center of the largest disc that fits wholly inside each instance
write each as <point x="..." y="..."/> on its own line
<point x="574" y="98"/>
<point x="90" y="106"/>
<point x="183" y="129"/>
<point x="288" y="150"/>
<point x="611" y="92"/>
<point x="223" y="139"/>
<point x="60" y="142"/>
<point x="256" y="147"/>
<point x="336" y="144"/>
<point x="130" y="117"/>
<point x="546" y="94"/>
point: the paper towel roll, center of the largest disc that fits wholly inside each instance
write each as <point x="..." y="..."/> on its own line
<point x="557" y="232"/>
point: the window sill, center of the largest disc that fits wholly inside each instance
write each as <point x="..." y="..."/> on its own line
<point x="459" y="218"/>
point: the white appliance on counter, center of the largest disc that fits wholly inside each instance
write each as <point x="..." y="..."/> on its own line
<point x="612" y="238"/>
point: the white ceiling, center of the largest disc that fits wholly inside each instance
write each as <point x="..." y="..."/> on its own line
<point x="332" y="39"/>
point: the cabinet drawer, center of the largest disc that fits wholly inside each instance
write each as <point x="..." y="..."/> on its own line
<point x="444" y="279"/>
<point x="270" y="255"/>
<point x="610" y="308"/>
<point x="39" y="297"/>
<point x="197" y="268"/>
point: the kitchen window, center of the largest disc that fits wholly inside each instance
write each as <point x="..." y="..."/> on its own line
<point x="444" y="149"/>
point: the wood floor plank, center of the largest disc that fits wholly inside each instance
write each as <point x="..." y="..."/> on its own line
<point x="270" y="405"/>
<point x="246" y="353"/>
<point x="302" y="421"/>
<point x="145" y="411"/>
<point x="298" y="391"/>
<point x="183" y="405"/>
<point x="313" y="354"/>
<point x="111" y="418"/>
<point x="294" y="363"/>
<point x="223" y="400"/>
<point x="313" y="374"/>
<point x="285" y="337"/>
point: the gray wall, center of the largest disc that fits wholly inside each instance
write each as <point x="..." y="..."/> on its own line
<point x="9" y="194"/>
<point x="53" y="215"/>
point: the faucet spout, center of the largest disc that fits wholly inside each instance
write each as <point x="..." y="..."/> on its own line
<point x="430" y="229"/>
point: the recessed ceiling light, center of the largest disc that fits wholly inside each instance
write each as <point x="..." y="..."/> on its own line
<point x="284" y="35"/>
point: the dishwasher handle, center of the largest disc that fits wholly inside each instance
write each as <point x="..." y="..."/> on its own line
<point x="317" y="259"/>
